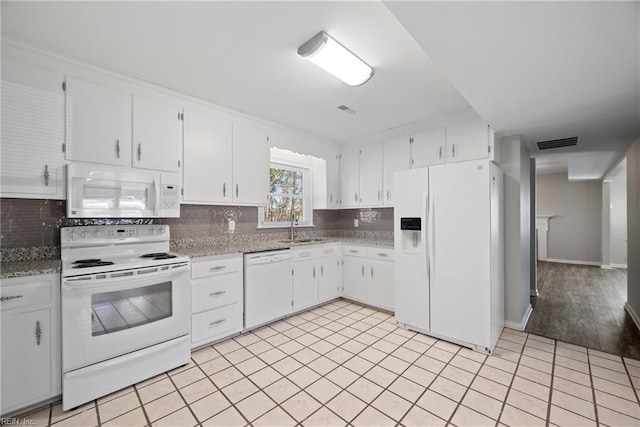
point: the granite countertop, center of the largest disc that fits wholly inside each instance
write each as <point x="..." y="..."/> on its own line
<point x="11" y="269"/>
<point x="29" y="268"/>
<point x="272" y="245"/>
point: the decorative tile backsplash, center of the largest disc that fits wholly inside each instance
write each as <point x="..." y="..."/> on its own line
<point x="30" y="229"/>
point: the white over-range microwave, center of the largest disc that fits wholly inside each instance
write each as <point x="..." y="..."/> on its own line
<point x="98" y="191"/>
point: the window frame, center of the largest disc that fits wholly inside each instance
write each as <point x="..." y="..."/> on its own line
<point x="307" y="195"/>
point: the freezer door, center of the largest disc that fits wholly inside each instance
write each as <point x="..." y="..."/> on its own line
<point x="411" y="280"/>
<point x="459" y="228"/>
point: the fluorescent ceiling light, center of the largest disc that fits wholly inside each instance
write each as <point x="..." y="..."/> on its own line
<point x="336" y="59"/>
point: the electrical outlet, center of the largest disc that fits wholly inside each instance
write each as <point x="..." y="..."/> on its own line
<point x="355" y="222"/>
<point x="232" y="225"/>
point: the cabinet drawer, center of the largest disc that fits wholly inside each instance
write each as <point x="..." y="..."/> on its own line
<point x="213" y="292"/>
<point x="215" y="324"/>
<point x="300" y="254"/>
<point x="351" y="250"/>
<point x="22" y="295"/>
<point x="328" y="250"/>
<point x="380" y="253"/>
<point x="215" y="267"/>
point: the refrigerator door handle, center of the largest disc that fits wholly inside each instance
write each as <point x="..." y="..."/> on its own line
<point x="425" y="233"/>
<point x="431" y="251"/>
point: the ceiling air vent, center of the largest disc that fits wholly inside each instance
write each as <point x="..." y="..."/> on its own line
<point x="346" y="109"/>
<point x="557" y="143"/>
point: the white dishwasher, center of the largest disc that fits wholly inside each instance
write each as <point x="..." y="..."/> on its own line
<point x="268" y="287"/>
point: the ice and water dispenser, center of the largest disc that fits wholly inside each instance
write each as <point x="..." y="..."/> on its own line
<point x="411" y="229"/>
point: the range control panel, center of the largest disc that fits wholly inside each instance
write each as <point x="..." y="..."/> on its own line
<point x="113" y="233"/>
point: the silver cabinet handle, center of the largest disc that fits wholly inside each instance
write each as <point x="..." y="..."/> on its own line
<point x="224" y="189"/>
<point x="331" y="197"/>
<point x="9" y="298"/>
<point x="236" y="190"/>
<point x="363" y="270"/>
<point x="355" y="197"/>
<point x="388" y="192"/>
<point x="38" y="332"/>
<point x="218" y="268"/>
<point x="440" y="152"/>
<point x="139" y="152"/>
<point x="372" y="271"/>
<point x="217" y="322"/>
<point x="46" y="175"/>
<point x="378" y="195"/>
<point x="453" y="149"/>
<point x="117" y="148"/>
<point x="353" y="251"/>
<point x="314" y="272"/>
<point x="321" y="270"/>
<point x="217" y="294"/>
<point x="382" y="254"/>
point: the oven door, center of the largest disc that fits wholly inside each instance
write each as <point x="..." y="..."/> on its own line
<point x="107" y="317"/>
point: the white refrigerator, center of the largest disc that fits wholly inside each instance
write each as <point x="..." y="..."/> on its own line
<point x="449" y="252"/>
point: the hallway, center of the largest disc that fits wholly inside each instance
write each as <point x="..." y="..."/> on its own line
<point x="584" y="305"/>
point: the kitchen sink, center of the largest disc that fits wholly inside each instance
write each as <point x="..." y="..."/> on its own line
<point x="303" y="240"/>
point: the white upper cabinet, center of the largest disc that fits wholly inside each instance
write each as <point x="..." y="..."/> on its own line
<point x="207" y="157"/>
<point x="371" y="175"/>
<point x="98" y="120"/>
<point x="395" y="157"/>
<point x="32" y="158"/>
<point x="333" y="183"/>
<point x="428" y="148"/>
<point x="250" y="165"/>
<point x="350" y="178"/>
<point x="157" y="135"/>
<point x="469" y="140"/>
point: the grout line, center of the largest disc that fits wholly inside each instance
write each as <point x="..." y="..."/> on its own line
<point x="95" y="404"/>
<point x="181" y="396"/>
<point x="593" y="388"/>
<point x="513" y="378"/>
<point x="553" y="371"/>
<point x="144" y="411"/>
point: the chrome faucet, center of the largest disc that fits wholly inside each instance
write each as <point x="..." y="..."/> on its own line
<point x="293" y="220"/>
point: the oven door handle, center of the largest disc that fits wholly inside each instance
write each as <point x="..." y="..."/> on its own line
<point x="160" y="276"/>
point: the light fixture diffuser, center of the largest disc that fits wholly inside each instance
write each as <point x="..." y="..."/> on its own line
<point x="331" y="56"/>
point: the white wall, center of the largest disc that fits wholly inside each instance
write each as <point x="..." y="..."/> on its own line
<point x="514" y="161"/>
<point x="633" y="230"/>
<point x="618" y="216"/>
<point x="575" y="232"/>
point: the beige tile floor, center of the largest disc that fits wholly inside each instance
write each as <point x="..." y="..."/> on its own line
<point x="345" y="364"/>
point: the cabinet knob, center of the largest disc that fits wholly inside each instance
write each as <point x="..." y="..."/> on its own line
<point x="224" y="189"/>
<point x="440" y="152"/>
<point x="236" y="190"/>
<point x="38" y="332"/>
<point x="9" y="298"/>
<point x="453" y="149"/>
<point x="117" y="148"/>
<point x="46" y="175"/>
<point x="139" y="152"/>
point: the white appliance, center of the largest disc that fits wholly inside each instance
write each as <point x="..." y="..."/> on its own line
<point x="126" y="308"/>
<point x="268" y="287"/>
<point x="99" y="191"/>
<point x="449" y="252"/>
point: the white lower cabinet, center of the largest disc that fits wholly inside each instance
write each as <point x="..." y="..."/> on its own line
<point x="315" y="275"/>
<point x="30" y="341"/>
<point x="368" y="276"/>
<point x="217" y="295"/>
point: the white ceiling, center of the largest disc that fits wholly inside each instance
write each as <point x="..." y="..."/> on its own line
<point x="545" y="70"/>
<point x="242" y="55"/>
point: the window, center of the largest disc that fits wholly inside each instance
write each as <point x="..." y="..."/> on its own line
<point x="289" y="192"/>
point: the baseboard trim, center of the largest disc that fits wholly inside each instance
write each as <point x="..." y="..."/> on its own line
<point x="606" y="267"/>
<point x="523" y="323"/>
<point x="618" y="265"/>
<point x="573" y="261"/>
<point x="632" y="313"/>
<point x="534" y="293"/>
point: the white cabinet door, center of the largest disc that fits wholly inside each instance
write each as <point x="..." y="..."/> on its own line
<point x="26" y="358"/>
<point x="428" y="148"/>
<point x="381" y="279"/>
<point x="350" y="178"/>
<point x="305" y="284"/>
<point x="396" y="156"/>
<point x="467" y="140"/>
<point x="207" y="157"/>
<point x="250" y="165"/>
<point x="157" y="135"/>
<point x="354" y="281"/>
<point x="98" y="123"/>
<point x="371" y="175"/>
<point x="333" y="182"/>
<point x="31" y="153"/>
<point x="328" y="286"/>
